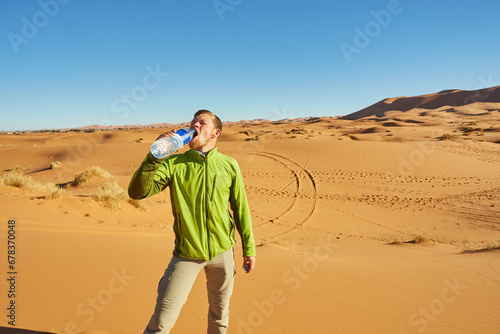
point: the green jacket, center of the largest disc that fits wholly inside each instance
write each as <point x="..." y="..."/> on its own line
<point x="200" y="190"/>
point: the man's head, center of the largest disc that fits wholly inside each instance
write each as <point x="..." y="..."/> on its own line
<point x="208" y="128"/>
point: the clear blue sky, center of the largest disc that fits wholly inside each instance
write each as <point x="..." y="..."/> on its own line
<point x="70" y="63"/>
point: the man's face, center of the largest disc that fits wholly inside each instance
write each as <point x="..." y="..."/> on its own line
<point x="205" y="131"/>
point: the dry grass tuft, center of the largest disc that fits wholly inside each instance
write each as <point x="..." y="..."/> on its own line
<point x="420" y="239"/>
<point x="137" y="141"/>
<point x="246" y="132"/>
<point x="138" y="204"/>
<point x="93" y="173"/>
<point x="17" y="167"/>
<point x="52" y="191"/>
<point x="447" y="136"/>
<point x="19" y="180"/>
<point x="55" y="164"/>
<point x="488" y="247"/>
<point x="110" y="195"/>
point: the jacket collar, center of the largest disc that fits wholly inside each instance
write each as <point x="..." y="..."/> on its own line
<point x="200" y="155"/>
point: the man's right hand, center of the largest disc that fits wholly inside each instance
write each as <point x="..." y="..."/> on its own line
<point x="166" y="134"/>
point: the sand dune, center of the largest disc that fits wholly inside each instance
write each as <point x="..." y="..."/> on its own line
<point x="383" y="224"/>
<point x="487" y="98"/>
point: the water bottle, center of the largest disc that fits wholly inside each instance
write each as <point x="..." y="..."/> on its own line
<point x="167" y="145"/>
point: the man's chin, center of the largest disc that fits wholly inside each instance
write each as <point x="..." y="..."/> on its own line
<point x="194" y="145"/>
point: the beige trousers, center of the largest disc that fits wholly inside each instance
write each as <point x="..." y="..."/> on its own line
<point x="176" y="283"/>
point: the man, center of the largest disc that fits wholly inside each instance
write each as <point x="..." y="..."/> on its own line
<point x="202" y="183"/>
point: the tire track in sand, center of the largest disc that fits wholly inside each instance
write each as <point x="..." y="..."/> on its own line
<point x="304" y="195"/>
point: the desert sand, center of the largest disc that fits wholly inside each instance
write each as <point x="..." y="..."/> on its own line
<point x="383" y="221"/>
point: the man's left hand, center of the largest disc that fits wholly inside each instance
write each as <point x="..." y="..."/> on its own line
<point x="248" y="263"/>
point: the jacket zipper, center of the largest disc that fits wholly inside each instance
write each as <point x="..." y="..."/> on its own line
<point x="213" y="189"/>
<point x="206" y="208"/>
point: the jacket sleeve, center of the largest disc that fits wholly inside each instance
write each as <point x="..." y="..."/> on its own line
<point x="151" y="178"/>
<point x="241" y="213"/>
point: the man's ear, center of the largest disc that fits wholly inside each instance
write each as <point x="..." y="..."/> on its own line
<point x="216" y="133"/>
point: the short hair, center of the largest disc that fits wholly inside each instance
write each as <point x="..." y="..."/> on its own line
<point x="215" y="119"/>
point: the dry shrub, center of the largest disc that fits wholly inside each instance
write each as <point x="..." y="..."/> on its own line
<point x="138" y="204"/>
<point x="110" y="195"/>
<point x="488" y="247"/>
<point x="52" y="191"/>
<point x="19" y="180"/>
<point x="492" y="245"/>
<point x="55" y="164"/>
<point x="447" y="136"/>
<point x="15" y="179"/>
<point x="420" y="239"/>
<point x="137" y="141"/>
<point x="17" y="167"/>
<point x="93" y="173"/>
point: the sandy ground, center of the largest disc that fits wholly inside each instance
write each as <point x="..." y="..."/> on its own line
<point x="363" y="226"/>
